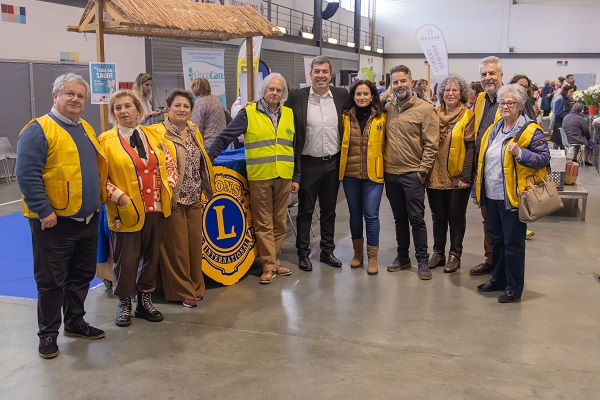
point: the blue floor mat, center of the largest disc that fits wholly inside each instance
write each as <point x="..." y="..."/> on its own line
<point x="16" y="259"/>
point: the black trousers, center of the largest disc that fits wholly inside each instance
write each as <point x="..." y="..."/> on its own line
<point x="448" y="208"/>
<point x="64" y="264"/>
<point x="406" y="194"/>
<point x="319" y="178"/>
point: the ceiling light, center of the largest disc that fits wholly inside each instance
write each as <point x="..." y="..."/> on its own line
<point x="350" y="44"/>
<point x="282" y="29"/>
<point x="308" y="35"/>
<point x="332" y="40"/>
<point x="380" y="50"/>
<point x="367" y="48"/>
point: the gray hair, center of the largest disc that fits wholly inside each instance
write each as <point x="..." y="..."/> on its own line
<point x="67" y="79"/>
<point x="578" y="107"/>
<point x="265" y="83"/>
<point x="516" y="90"/>
<point x="401" y="68"/>
<point x="491" y="60"/>
<point x="320" y="60"/>
<point x="459" y="81"/>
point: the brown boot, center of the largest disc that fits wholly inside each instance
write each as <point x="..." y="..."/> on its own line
<point x="372" y="256"/>
<point x="357" y="260"/>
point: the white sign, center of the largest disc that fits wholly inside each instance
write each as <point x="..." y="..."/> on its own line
<point x="434" y="47"/>
<point x="307" y="61"/>
<point x="205" y="63"/>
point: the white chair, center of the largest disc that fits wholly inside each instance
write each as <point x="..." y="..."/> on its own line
<point x="7" y="153"/>
<point x="567" y="146"/>
<point x="6" y="170"/>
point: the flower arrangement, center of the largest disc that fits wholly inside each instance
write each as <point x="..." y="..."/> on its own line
<point x="579" y="96"/>
<point x="591" y="95"/>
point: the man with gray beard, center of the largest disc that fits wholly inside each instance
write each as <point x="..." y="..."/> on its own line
<point x="412" y="133"/>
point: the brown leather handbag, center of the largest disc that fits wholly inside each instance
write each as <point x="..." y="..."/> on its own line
<point x="539" y="199"/>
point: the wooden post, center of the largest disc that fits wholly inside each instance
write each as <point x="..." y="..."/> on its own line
<point x="428" y="79"/>
<point x="100" y="57"/>
<point x="250" y="68"/>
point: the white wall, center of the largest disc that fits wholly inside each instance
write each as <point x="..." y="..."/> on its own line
<point x="492" y="26"/>
<point x="342" y="16"/>
<point x="45" y="36"/>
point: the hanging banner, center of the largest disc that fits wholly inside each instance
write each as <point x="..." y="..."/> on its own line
<point x="205" y="63"/>
<point x="242" y="64"/>
<point x="103" y="82"/>
<point x="307" y="61"/>
<point x="434" y="47"/>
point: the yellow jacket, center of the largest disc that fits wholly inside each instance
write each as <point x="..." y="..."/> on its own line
<point x="515" y="173"/>
<point x="458" y="150"/>
<point x="123" y="174"/>
<point x="479" y="108"/>
<point x="269" y="154"/>
<point x="375" y="146"/>
<point x="208" y="175"/>
<point x="62" y="172"/>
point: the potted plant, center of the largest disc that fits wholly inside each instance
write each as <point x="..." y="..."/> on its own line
<point x="591" y="97"/>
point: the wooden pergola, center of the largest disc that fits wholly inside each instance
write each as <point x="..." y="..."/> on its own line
<point x="180" y="19"/>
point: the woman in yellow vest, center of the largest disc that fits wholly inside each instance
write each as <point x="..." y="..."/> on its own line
<point x="268" y="129"/>
<point x="141" y="176"/>
<point x="181" y="249"/>
<point x="452" y="173"/>
<point x="361" y="168"/>
<point x="510" y="150"/>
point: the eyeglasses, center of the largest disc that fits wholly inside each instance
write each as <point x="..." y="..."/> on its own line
<point x="507" y="104"/>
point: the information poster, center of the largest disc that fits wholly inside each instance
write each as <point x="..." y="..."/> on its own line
<point x="103" y="81"/>
<point x="205" y="63"/>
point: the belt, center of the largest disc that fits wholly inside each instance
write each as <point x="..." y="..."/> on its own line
<point x="324" y="158"/>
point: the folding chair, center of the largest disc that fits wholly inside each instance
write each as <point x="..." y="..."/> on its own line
<point x="291" y="204"/>
<point x="567" y="146"/>
<point x="7" y="153"/>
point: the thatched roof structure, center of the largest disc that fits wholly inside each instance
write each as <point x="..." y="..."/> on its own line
<point x="176" y="19"/>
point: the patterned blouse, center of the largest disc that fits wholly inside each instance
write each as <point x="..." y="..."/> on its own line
<point x="191" y="189"/>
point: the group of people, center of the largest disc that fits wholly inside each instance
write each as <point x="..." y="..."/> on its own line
<point x="307" y="141"/>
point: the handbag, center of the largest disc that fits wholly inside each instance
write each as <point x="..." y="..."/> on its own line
<point x="539" y="199"/>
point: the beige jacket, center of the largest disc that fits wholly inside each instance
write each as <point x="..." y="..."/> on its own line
<point x="412" y="137"/>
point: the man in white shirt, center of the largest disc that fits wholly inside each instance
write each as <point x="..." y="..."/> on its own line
<point x="318" y="124"/>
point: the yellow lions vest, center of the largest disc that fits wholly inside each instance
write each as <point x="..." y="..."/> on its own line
<point x="374" y="147"/>
<point x="515" y="174"/>
<point x="123" y="174"/>
<point x="479" y="108"/>
<point x="269" y="154"/>
<point x="62" y="173"/>
<point x="458" y="151"/>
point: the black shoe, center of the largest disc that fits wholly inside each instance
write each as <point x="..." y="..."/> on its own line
<point x="481" y="269"/>
<point x="398" y="264"/>
<point x="509" y="297"/>
<point x="588" y="164"/>
<point x="145" y="309"/>
<point x="48" y="347"/>
<point x="85" y="331"/>
<point x="124" y="312"/>
<point x="330" y="259"/>
<point x="488" y="287"/>
<point x="304" y="264"/>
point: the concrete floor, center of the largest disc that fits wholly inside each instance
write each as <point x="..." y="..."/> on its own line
<point x="340" y="334"/>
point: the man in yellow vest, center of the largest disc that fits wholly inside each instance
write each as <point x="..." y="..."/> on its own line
<point x="62" y="175"/>
<point x="486" y="114"/>
<point x="268" y="129"/>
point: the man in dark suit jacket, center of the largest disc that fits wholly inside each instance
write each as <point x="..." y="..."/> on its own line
<point x="318" y="123"/>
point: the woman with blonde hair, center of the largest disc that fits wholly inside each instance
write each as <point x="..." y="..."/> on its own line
<point x="141" y="176"/>
<point x="142" y="87"/>
<point x="208" y="114"/>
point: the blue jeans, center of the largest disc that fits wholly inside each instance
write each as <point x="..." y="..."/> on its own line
<point x="507" y="235"/>
<point x="364" y="199"/>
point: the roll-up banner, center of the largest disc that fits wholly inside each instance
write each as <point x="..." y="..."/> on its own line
<point x="205" y="63"/>
<point x="434" y="47"/>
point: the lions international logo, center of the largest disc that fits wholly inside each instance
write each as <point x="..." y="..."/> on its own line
<point x="228" y="245"/>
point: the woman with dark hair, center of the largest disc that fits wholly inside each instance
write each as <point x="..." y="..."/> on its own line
<point x="208" y="114"/>
<point x="531" y="108"/>
<point x="142" y="87"/>
<point x="181" y="251"/>
<point x="361" y="168"/>
<point x="141" y="177"/>
<point x="452" y="173"/>
<point x="561" y="108"/>
<point x="476" y="88"/>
